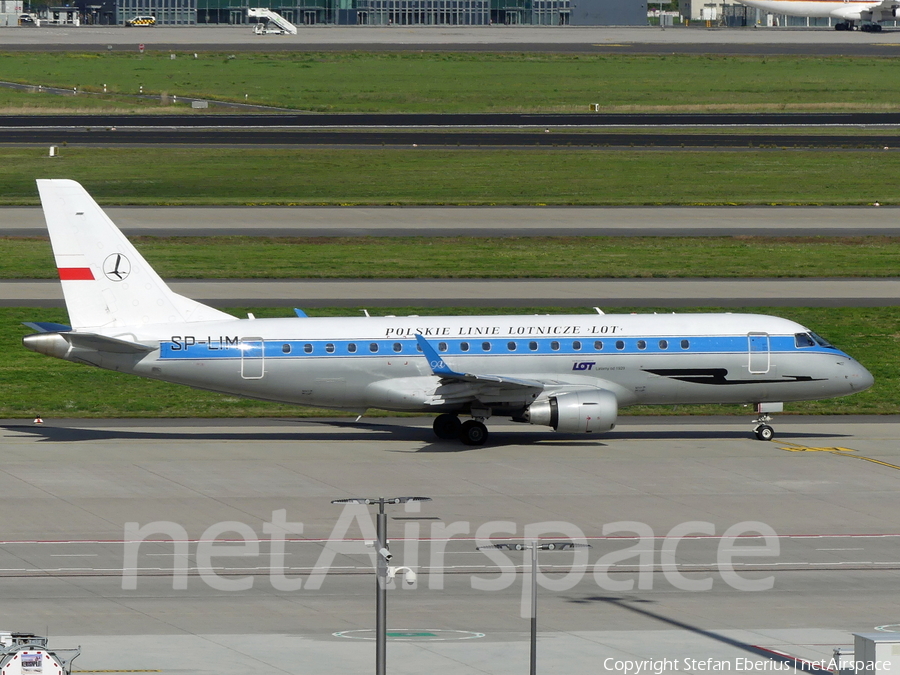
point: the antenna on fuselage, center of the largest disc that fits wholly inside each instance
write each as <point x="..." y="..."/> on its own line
<point x="598" y="310"/>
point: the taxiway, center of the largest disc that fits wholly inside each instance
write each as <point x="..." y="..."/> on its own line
<point x="825" y="486"/>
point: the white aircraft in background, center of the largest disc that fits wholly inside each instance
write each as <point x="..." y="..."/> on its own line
<point x="571" y="373"/>
<point x="868" y="13"/>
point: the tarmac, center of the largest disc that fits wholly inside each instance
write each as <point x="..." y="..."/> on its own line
<point x="475" y="221"/>
<point x="500" y="37"/>
<point x="823" y="491"/>
<point x="521" y="292"/>
<point x="491" y="221"/>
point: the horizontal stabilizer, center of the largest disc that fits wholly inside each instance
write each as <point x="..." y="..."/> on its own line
<point x="47" y="327"/>
<point x="62" y="345"/>
<point x="101" y="343"/>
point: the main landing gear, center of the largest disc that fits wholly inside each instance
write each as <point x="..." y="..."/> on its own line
<point x="864" y="27"/>
<point x="471" y="432"/>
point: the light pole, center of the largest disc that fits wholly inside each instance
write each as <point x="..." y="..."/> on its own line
<point x="383" y="573"/>
<point x="534" y="547"/>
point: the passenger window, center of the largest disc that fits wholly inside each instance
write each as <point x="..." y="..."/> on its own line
<point x="642" y="344"/>
<point x="442" y="346"/>
<point x="464" y="346"/>
<point x="511" y="346"/>
<point x="307" y="348"/>
<point x="663" y="344"/>
<point x="533" y="346"/>
<point x="351" y="348"/>
<point x="620" y="344"/>
<point x="397" y="347"/>
<point x="329" y="348"/>
<point x="576" y="345"/>
<point x="685" y="344"/>
<point x="486" y="346"/>
<point x="803" y="340"/>
<point x="598" y="345"/>
<point x="373" y="347"/>
<point x="286" y="348"/>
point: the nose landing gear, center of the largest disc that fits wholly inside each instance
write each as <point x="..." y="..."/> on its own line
<point x="762" y="430"/>
<point x="761" y="427"/>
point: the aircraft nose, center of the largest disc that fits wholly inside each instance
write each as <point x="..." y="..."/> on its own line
<point x="860" y="378"/>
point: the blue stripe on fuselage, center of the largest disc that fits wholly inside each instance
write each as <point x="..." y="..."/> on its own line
<point x="215" y="348"/>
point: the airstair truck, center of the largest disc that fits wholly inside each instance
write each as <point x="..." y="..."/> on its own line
<point x="270" y="18"/>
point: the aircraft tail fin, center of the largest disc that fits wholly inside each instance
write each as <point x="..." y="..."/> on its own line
<point x="105" y="281"/>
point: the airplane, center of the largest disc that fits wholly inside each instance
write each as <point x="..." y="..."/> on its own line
<point x="869" y="13"/>
<point x="569" y="372"/>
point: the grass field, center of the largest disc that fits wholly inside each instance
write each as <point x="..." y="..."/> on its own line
<point x="442" y="82"/>
<point x="479" y="257"/>
<point x="35" y="384"/>
<point x="229" y="176"/>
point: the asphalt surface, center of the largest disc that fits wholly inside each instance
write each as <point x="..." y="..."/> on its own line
<point x="500" y="221"/>
<point x="822" y="490"/>
<point x="492" y="221"/>
<point x="522" y="292"/>
<point x="303" y="120"/>
<point x="548" y="138"/>
<point x="573" y="39"/>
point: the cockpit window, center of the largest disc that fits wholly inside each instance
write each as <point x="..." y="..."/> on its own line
<point x="822" y="342"/>
<point x="810" y="339"/>
<point x="803" y="340"/>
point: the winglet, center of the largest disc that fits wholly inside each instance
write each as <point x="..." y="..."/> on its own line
<point x="435" y="362"/>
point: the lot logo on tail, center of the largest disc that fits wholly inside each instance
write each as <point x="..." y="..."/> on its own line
<point x="116" y="267"/>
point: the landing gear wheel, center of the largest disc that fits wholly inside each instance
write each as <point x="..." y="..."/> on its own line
<point x="473" y="432"/>
<point x="447" y="426"/>
<point x="764" y="432"/>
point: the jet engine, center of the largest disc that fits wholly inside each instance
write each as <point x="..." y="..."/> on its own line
<point x="576" y="411"/>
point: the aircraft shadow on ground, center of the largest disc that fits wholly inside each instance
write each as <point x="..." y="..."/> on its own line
<point x="630" y="604"/>
<point x="371" y="432"/>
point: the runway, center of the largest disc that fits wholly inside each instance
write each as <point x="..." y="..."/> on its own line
<point x="308" y="120"/>
<point x="523" y="292"/>
<point x="573" y="39"/>
<point x="820" y="490"/>
<point x="465" y="139"/>
<point x="491" y="221"/>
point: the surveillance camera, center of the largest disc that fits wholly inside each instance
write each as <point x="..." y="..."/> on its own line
<point x="409" y="577"/>
<point x="384" y="553"/>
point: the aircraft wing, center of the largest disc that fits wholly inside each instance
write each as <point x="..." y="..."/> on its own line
<point x="448" y="375"/>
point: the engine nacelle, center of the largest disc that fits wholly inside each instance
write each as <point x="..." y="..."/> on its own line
<point x="576" y="412"/>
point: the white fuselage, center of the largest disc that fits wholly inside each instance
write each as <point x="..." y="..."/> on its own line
<point x="845" y="10"/>
<point x="357" y="363"/>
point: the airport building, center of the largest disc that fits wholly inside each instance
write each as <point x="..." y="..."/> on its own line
<point x="381" y="12"/>
<point x="10" y="10"/>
